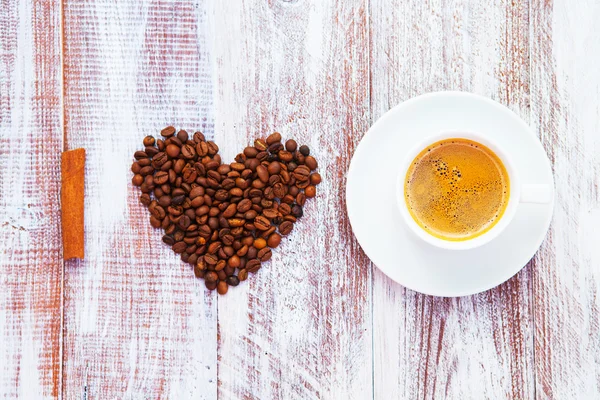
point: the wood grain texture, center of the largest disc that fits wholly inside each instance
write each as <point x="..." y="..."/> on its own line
<point x="300" y="328"/>
<point x="30" y="241"/>
<point x="472" y="347"/>
<point x="138" y="324"/>
<point x="565" y="93"/>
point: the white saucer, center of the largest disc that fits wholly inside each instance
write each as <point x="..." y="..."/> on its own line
<point x="376" y="220"/>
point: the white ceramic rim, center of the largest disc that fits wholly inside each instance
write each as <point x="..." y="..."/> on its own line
<point x="509" y="212"/>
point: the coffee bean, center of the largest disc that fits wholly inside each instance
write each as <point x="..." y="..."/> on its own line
<point x="260" y="145"/>
<point x="210" y="285"/>
<point x="285" y="156"/>
<point x="222" y="287"/>
<point x="137" y="180"/>
<point x="264" y="254"/>
<point x="253" y="265"/>
<point x="291" y="145"/>
<point x="179" y="247"/>
<point x="199" y="137"/>
<point x="310" y="191"/>
<point x="182" y="135"/>
<point x="161" y="177"/>
<point x="262" y="174"/>
<point x="273" y="149"/>
<point x="274" y="138"/>
<point x="149" y="141"/>
<point x="311" y="163"/>
<point x="168" y="240"/>
<point x="273" y="240"/>
<point x="211" y="276"/>
<point x="188" y="152"/>
<point x="304" y="150"/>
<point x="232" y="280"/>
<point x="285" y="228"/>
<point x="262" y="223"/>
<point x="168" y="132"/>
<point x="315" y="178"/>
<point x="140" y="155"/>
<point x="173" y="150"/>
<point x="297" y="211"/>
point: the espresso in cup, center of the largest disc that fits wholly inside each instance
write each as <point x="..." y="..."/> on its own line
<point x="456" y="189"/>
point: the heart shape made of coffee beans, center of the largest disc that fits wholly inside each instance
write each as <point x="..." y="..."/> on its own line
<point x="223" y="219"/>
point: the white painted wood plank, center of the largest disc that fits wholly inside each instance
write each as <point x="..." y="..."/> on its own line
<point x="473" y="347"/>
<point x="565" y="98"/>
<point x="138" y="324"/>
<point x="301" y="327"/>
<point x="31" y="140"/>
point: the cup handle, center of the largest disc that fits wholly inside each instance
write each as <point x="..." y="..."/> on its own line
<point x="536" y="194"/>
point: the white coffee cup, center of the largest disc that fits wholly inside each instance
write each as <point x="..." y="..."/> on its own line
<point x="519" y="193"/>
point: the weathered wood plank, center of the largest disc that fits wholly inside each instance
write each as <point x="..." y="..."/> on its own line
<point x="473" y="347"/>
<point x="565" y="93"/>
<point x="138" y="324"/>
<point x="300" y="328"/>
<point x="31" y="140"/>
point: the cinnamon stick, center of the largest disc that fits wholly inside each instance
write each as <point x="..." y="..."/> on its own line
<point x="72" y="205"/>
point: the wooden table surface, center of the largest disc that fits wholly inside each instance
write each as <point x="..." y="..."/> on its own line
<point x="320" y="321"/>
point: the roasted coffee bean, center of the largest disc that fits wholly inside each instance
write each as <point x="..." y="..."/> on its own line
<point x="211" y="276"/>
<point x="161" y="177"/>
<point x="270" y="213"/>
<point x="200" y="273"/>
<point x="310" y="191"/>
<point x="151" y="151"/>
<point x="232" y="280"/>
<point x="182" y="136"/>
<point x="302" y="173"/>
<point x="168" y="240"/>
<point x="285" y="228"/>
<point x="145" y="199"/>
<point x="273" y="138"/>
<point x="179" y="247"/>
<point x="168" y="132"/>
<point x="311" y="163"/>
<point x="138" y="155"/>
<point x="188" y="152"/>
<point x="242" y="274"/>
<point x="315" y="178"/>
<point x="261" y="223"/>
<point x="284" y="209"/>
<point x="260" y="243"/>
<point x="210" y="285"/>
<point x="149" y="141"/>
<point x="262" y="173"/>
<point x="137" y="180"/>
<point x="260" y="144"/>
<point x="199" y="137"/>
<point x="222" y="287"/>
<point x="253" y="265"/>
<point x="291" y="145"/>
<point x="274" y="149"/>
<point x="264" y="254"/>
<point x="297" y="211"/>
<point x="285" y="156"/>
<point x="304" y="150"/>
<point x="159" y="159"/>
<point x="136" y="167"/>
<point x="273" y="240"/>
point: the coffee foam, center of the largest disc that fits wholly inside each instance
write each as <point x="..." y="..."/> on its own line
<point x="457" y="189"/>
